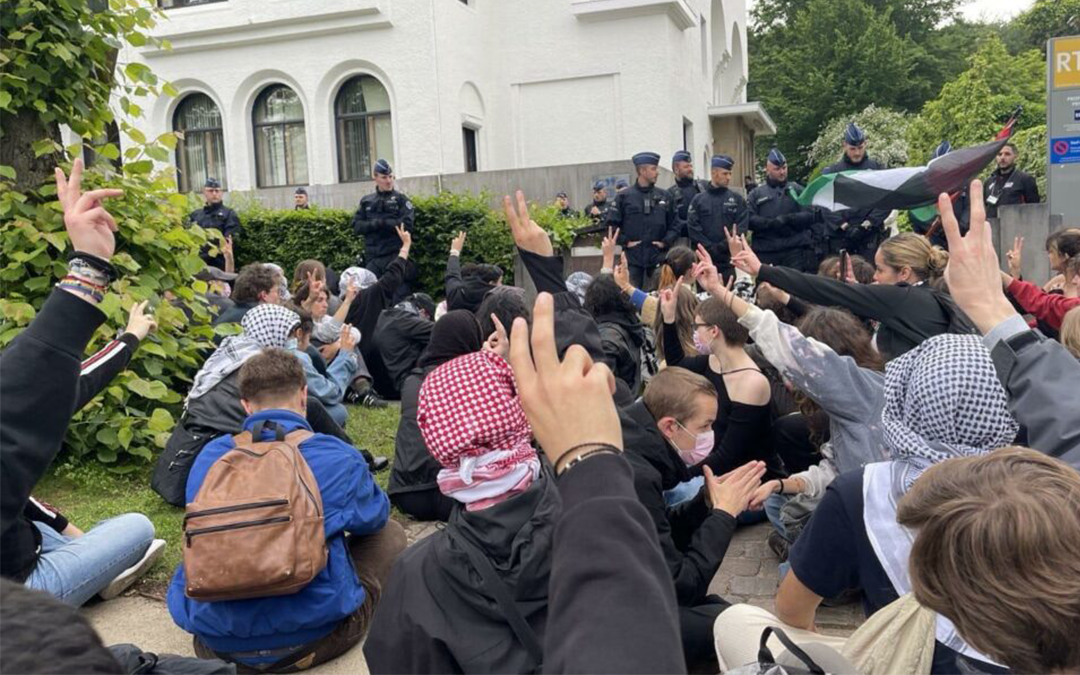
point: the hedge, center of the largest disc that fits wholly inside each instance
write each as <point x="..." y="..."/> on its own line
<point x="288" y="237"/>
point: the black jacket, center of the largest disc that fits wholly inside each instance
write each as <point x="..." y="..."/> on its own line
<point x="710" y="212"/>
<point x="778" y="222"/>
<point x="400" y="337"/>
<point x="414" y="468"/>
<point x="217" y="217"/>
<point x="1011" y="187"/>
<point x="680" y="194"/>
<point x="435" y="614"/>
<point x="622" y="338"/>
<point x="646" y="215"/>
<point x="611" y="603"/>
<point x="463" y="293"/>
<point x="366" y="309"/>
<point x="39" y="391"/>
<point x="693" y="537"/>
<point x="604" y="207"/>
<point x="854" y="237"/>
<point x="377" y="218"/>
<point x="908" y="314"/>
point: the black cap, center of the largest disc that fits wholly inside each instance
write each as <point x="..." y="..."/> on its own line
<point x="301" y="191"/>
<point x="212" y="183"/>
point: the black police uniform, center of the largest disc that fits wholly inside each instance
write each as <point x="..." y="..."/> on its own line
<point x="680" y="194"/>
<point x="643" y="214"/>
<point x="1009" y="187"/>
<point x="601" y="217"/>
<point x="710" y="212"/>
<point x="858" y="240"/>
<point x="218" y="217"/>
<point x="377" y="219"/>
<point x="783" y="228"/>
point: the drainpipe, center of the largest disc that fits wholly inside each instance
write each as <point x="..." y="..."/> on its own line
<point x="438" y="93"/>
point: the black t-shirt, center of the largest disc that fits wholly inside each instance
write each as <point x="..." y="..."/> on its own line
<point x="833" y="554"/>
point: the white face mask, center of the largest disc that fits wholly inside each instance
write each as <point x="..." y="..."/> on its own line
<point x="291" y="343"/>
<point x="703" y="446"/>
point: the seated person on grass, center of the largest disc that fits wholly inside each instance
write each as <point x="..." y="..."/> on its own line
<point x="331" y="614"/>
<point x="328" y="387"/>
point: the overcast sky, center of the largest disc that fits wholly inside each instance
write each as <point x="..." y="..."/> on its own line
<point x="978" y="9"/>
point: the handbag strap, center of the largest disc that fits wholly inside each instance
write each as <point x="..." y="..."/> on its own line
<point x="765" y="655"/>
<point x="498" y="590"/>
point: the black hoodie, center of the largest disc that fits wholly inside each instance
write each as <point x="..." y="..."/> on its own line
<point x="435" y="615"/>
<point x="461" y="293"/>
<point x="693" y="537"/>
<point x="622" y="338"/>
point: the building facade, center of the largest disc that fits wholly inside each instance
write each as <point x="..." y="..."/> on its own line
<point x="277" y="93"/>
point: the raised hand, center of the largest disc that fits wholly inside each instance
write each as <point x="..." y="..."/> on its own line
<point x="734" y="244"/>
<point x="622" y="274"/>
<point x="1015" y="255"/>
<point x="140" y="324"/>
<point x="497" y="342"/>
<point x="747" y="261"/>
<point x="731" y="492"/>
<point x="973" y="273"/>
<point x="669" y="303"/>
<point x="89" y="226"/>
<point x="527" y="234"/>
<point x="315" y="286"/>
<point x="458" y="243"/>
<point x="607" y="247"/>
<point x="351" y="291"/>
<point x="406" y="241"/>
<point x="347" y="340"/>
<point x="766" y="292"/>
<point x="569" y="403"/>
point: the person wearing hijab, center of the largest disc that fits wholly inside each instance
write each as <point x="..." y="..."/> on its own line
<point x="943" y="400"/>
<point x="413" y="487"/>
<point x="473" y="597"/>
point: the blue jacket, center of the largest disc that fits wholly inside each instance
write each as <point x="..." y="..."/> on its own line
<point x="352" y="503"/>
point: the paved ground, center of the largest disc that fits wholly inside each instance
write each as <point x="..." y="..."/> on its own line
<point x="749" y="574"/>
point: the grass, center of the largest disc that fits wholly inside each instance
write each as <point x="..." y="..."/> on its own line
<point x="88" y="493"/>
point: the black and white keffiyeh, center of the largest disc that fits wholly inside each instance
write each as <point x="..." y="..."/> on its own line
<point x="360" y="276"/>
<point x="264" y="326"/>
<point x="943" y="400"/>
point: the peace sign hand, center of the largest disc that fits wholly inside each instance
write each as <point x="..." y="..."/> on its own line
<point x="88" y="224"/>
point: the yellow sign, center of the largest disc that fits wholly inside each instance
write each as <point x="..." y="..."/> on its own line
<point x="1065" y="62"/>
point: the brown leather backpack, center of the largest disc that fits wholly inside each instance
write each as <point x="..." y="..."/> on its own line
<point x="255" y="528"/>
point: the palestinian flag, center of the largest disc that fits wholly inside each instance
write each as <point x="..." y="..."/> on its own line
<point x="904" y="188"/>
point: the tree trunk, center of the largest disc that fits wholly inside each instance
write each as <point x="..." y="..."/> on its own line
<point x="20" y="133"/>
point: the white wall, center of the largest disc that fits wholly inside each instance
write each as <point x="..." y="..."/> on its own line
<point x="540" y="83"/>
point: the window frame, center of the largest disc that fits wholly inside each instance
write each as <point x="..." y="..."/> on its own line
<point x="340" y="118"/>
<point x="263" y="94"/>
<point x="182" y="170"/>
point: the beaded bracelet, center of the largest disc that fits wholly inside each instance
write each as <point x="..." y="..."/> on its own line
<point x="598" y="448"/>
<point x="82" y="290"/>
<point x="91" y="266"/>
<point x="89" y="283"/>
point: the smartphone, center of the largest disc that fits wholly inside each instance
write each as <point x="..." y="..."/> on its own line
<point x="845" y="265"/>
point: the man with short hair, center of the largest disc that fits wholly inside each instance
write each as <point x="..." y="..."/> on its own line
<point x="1009" y="185"/>
<point x="215" y="216"/>
<point x="645" y="217"/>
<point x="782" y="228"/>
<point x="598" y="210"/>
<point x="562" y="200"/>
<point x="717" y="209"/>
<point x="377" y="219"/>
<point x="685" y="188"/>
<point x="859" y="231"/>
<point x="255" y="284"/>
<point x="333" y="612"/>
<point x="665" y="432"/>
<point x="300" y="200"/>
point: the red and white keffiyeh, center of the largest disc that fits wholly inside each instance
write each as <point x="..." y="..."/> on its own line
<point x="473" y="423"/>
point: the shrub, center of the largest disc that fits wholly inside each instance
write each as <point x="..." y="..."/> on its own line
<point x="885" y="131"/>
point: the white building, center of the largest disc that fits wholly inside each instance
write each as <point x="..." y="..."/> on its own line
<point x="289" y="92"/>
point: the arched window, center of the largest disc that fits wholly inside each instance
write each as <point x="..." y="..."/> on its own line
<point x="362" y="115"/>
<point x="280" y="146"/>
<point x="200" y="154"/>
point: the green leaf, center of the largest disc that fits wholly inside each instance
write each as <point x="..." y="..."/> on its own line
<point x="161" y="420"/>
<point x="45" y="146"/>
<point x="141" y="167"/>
<point x="5" y="99"/>
<point x="109" y="151"/>
<point x="146" y="389"/>
<point x="7" y="171"/>
<point x="125" y="435"/>
<point x="108" y="437"/>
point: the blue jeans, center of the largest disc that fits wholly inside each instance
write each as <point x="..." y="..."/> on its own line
<point x="75" y="570"/>
<point x="684" y="492"/>
<point x="772" y="509"/>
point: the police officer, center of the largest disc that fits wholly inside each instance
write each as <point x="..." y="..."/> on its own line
<point x="684" y="189"/>
<point x="932" y="229"/>
<point x="717" y="208"/>
<point x="646" y="220"/>
<point x="562" y="200"/>
<point x="300" y="200"/>
<point x="377" y="219"/>
<point x="621" y="185"/>
<point x="857" y="230"/>
<point x="1007" y="184"/>
<point x="598" y="210"/>
<point x="217" y="216"/>
<point x="783" y="229"/>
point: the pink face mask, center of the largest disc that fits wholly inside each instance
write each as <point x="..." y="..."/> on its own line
<point x="703" y="445"/>
<point x="700" y="346"/>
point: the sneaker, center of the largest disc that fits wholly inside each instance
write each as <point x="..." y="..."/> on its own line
<point x="129" y="576"/>
<point x="778" y="545"/>
<point x="372" y="400"/>
<point x="353" y="396"/>
<point x="378" y="464"/>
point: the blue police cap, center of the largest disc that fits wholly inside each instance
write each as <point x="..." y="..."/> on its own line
<point x="722" y="162"/>
<point x="383" y="167"/>
<point x="621" y="183"/>
<point x="598" y="186"/>
<point x="853" y="135"/>
<point x="646" y="158"/>
<point x="942" y="149"/>
<point x="212" y="183"/>
<point x="301" y="191"/>
<point x="680" y="156"/>
<point x="776" y="158"/>
<point x="561" y="194"/>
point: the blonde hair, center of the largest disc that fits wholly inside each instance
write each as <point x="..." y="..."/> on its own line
<point x="908" y="249"/>
<point x="674" y="393"/>
<point x="1070" y="331"/>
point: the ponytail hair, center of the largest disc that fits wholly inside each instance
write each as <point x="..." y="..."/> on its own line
<point x="908" y="249"/>
<point x="678" y="262"/>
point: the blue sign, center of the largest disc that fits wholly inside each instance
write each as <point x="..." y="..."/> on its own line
<point x="1065" y="150"/>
